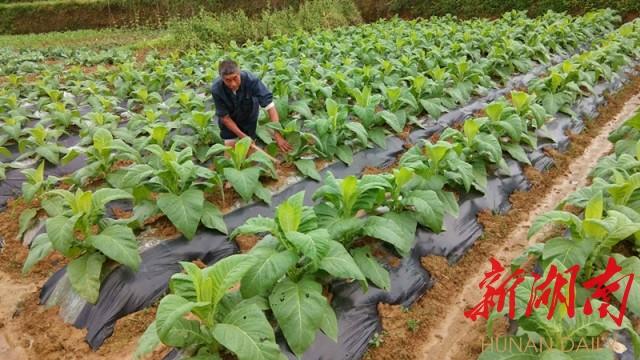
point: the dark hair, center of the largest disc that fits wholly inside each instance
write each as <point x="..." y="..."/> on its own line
<point x="228" y="67"/>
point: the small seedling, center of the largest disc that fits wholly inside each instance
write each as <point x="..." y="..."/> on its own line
<point x="377" y="340"/>
<point x="413" y="324"/>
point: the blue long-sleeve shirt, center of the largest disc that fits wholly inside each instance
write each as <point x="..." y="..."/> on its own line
<point x="243" y="106"/>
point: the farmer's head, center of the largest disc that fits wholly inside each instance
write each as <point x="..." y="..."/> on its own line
<point x="230" y="74"/>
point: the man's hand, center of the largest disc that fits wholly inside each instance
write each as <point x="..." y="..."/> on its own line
<point x="283" y="145"/>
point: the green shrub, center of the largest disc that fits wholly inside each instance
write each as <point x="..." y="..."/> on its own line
<point x="491" y="8"/>
<point x="207" y="28"/>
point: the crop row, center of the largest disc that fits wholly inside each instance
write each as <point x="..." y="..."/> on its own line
<point x="332" y="100"/>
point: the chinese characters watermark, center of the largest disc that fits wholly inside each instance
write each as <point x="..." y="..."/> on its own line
<point x="557" y="287"/>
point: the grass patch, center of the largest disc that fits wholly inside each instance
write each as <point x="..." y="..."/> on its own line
<point x="95" y="39"/>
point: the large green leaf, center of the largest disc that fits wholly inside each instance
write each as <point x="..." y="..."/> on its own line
<point x="299" y="309"/>
<point x="359" y="131"/>
<point x="304" y="244"/>
<point x="255" y="225"/>
<point x="40" y="248"/>
<point x="568" y="251"/>
<point x="84" y="275"/>
<point x="371" y="268"/>
<point x="173" y="329"/>
<point x="329" y="323"/>
<point x="243" y="181"/>
<point x="246" y="332"/>
<point x="517" y="152"/>
<point x="388" y="230"/>
<point x="212" y="218"/>
<point x="339" y="263"/>
<point x="223" y="275"/>
<point x="25" y="220"/>
<point x="289" y="213"/>
<point x="429" y="210"/>
<point x="392" y="120"/>
<point x="118" y="243"/>
<point x="562" y="217"/>
<point x="105" y="195"/>
<point x="184" y="210"/>
<point x="60" y="230"/>
<point x="345" y="154"/>
<point x="308" y="168"/>
<point x="271" y="265"/>
<point x="148" y="342"/>
<point x="593" y="325"/>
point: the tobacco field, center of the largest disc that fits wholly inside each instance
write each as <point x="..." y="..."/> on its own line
<point x="422" y="150"/>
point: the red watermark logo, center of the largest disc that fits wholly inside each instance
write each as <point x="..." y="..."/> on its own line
<point x="558" y="287"/>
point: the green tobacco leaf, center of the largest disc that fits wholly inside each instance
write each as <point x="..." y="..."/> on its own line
<point x="371" y="268"/>
<point x="53" y="205"/>
<point x="594" y="207"/>
<point x="432" y="107"/>
<point x="304" y="244"/>
<point x="60" y="230"/>
<point x="359" y="131"/>
<point x="339" y="263"/>
<point x="345" y="154"/>
<point x="299" y="309"/>
<point x="449" y="202"/>
<point x="562" y="217"/>
<point x="118" y="243"/>
<point x="308" y="168"/>
<point x="148" y="342"/>
<point x="255" y="225"/>
<point x="84" y="275"/>
<point x="289" y="213"/>
<point x="263" y="194"/>
<point x="49" y="152"/>
<point x="247" y="333"/>
<point x="568" y="251"/>
<point x="593" y="325"/>
<point x="392" y="120"/>
<point x="271" y="265"/>
<point x="184" y="211"/>
<point x="517" y="152"/>
<point x="212" y="218"/>
<point x="519" y="99"/>
<point x="429" y="209"/>
<point x="25" y="221"/>
<point x="40" y="248"/>
<point x="102" y="139"/>
<point x="378" y="136"/>
<point x="552" y="103"/>
<point x="105" y="195"/>
<point x="388" y="230"/>
<point x="243" y="181"/>
<point x="225" y="274"/>
<point x="173" y="329"/>
<point x="329" y="324"/>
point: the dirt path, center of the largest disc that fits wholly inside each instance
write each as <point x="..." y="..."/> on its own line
<point x="455" y="328"/>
